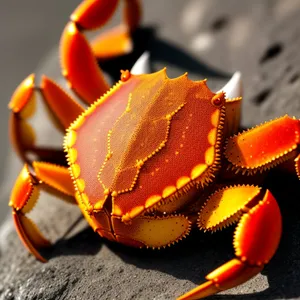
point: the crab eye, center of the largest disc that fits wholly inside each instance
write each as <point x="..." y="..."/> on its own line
<point x="125" y="75"/>
<point x="218" y="99"/>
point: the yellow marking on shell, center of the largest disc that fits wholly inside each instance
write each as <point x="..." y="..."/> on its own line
<point x="108" y="155"/>
<point x="114" y="194"/>
<point x="80" y="185"/>
<point x="77" y="196"/>
<point x="168" y="191"/>
<point x="152" y="200"/>
<point x="78" y="123"/>
<point x="117" y="211"/>
<point x="98" y="205"/>
<point x="210" y="155"/>
<point x="80" y="196"/>
<point x="212" y="136"/>
<point x="139" y="163"/>
<point x="71" y="138"/>
<point x="85" y="199"/>
<point x="91" y="109"/>
<point x="126" y="218"/>
<point x="106" y="192"/>
<point x="198" y="170"/>
<point x="136" y="211"/>
<point x="75" y="170"/>
<point x="182" y="181"/>
<point x="215" y="118"/>
<point x="72" y="155"/>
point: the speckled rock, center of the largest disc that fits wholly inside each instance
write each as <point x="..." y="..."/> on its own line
<point x="209" y="39"/>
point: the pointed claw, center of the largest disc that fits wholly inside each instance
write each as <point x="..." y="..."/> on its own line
<point x="30" y="235"/>
<point x="22" y="95"/>
<point x="142" y="65"/>
<point x="23" y="197"/>
<point x="112" y="43"/>
<point x="255" y="241"/>
<point x="94" y="13"/>
<point x="233" y="88"/>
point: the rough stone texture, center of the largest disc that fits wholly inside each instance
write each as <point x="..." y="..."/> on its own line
<point x="208" y="38"/>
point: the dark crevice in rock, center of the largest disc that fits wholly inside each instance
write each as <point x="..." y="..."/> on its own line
<point x="273" y="51"/>
<point x="219" y="24"/>
<point x="262" y="96"/>
<point x="294" y="78"/>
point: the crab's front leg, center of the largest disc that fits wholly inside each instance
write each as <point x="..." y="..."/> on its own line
<point x="25" y="195"/>
<point x="78" y="60"/>
<point x="62" y="108"/>
<point x="255" y="240"/>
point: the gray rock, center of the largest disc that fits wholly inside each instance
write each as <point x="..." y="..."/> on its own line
<point x="208" y="39"/>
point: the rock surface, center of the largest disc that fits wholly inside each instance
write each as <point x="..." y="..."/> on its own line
<point x="259" y="38"/>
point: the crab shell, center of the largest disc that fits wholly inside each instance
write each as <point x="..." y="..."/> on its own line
<point x="148" y="140"/>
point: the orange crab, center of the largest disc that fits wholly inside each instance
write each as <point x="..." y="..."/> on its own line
<point x="152" y="157"/>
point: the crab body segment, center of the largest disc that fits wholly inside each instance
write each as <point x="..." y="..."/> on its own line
<point x="152" y="157"/>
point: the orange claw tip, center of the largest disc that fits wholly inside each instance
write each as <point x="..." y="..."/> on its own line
<point x="30" y="236"/>
<point x="22" y="190"/>
<point x="93" y="13"/>
<point x="22" y="94"/>
<point x="206" y="289"/>
<point x="258" y="234"/>
<point x="112" y="43"/>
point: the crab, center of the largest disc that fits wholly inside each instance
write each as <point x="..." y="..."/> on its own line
<point x="152" y="157"/>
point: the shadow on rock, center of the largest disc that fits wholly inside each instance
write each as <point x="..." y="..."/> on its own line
<point x="166" y="53"/>
<point x="84" y="242"/>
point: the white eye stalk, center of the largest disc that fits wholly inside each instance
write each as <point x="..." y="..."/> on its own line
<point x="233" y="88"/>
<point x="142" y="65"/>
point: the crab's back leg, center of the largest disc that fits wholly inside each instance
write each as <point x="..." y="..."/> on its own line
<point x="264" y="146"/>
<point x="255" y="240"/>
<point x="117" y="41"/>
<point x="62" y="108"/>
<point x="25" y="194"/>
<point x="79" y="64"/>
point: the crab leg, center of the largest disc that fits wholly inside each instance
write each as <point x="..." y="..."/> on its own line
<point x="25" y="195"/>
<point x="256" y="237"/>
<point x="152" y="231"/>
<point x="79" y="64"/>
<point x="62" y="108"/>
<point x="117" y="41"/>
<point x="264" y="146"/>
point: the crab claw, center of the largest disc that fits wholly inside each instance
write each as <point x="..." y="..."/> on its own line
<point x="142" y="65"/>
<point x="233" y="88"/>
